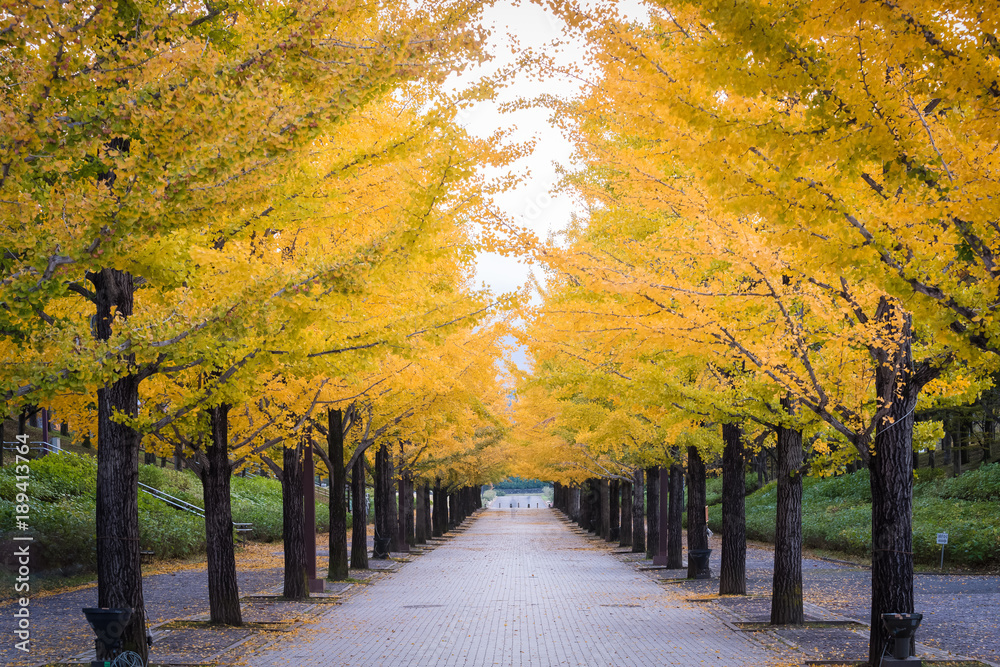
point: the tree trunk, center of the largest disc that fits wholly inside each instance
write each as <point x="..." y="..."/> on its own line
<point x="392" y="519"/>
<point x="575" y="503"/>
<point x="585" y="495"/>
<point x="625" y="522"/>
<point x="406" y="531"/>
<point x="955" y="440"/>
<point x="604" y="489"/>
<point x="733" y="571"/>
<point x="223" y="591"/>
<point x="338" y="569"/>
<point x="594" y="506"/>
<point x="401" y="515"/>
<point x="294" y="523"/>
<point x="439" y="504"/>
<point x="385" y="528"/>
<point x="675" y="518"/>
<point x="786" y="587"/>
<point x="420" y="526"/>
<point x="359" y="519"/>
<point x="428" y="523"/>
<point x="697" y="536"/>
<point x="614" y="531"/>
<point x="652" y="511"/>
<point x="119" y="578"/>
<point x="662" y="517"/>
<point x="891" y="474"/>
<point x="760" y="466"/>
<point x="638" y="513"/>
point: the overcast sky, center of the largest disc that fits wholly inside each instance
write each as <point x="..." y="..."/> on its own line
<point x="531" y="205"/>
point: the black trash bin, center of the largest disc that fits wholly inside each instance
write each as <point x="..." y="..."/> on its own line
<point x="108" y="625"/>
<point x="901" y="627"/>
<point x="700" y="559"/>
<point x="381" y="549"/>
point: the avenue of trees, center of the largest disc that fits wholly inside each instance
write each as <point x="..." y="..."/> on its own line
<point x="224" y="225"/>
<point x="789" y="241"/>
<point x="244" y="235"/>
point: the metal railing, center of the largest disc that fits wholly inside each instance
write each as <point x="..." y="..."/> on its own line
<point x="185" y="506"/>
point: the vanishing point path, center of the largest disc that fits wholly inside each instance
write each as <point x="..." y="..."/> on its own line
<point x="516" y="588"/>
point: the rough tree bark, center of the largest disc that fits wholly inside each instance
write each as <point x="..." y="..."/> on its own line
<point x="585" y="504"/>
<point x="439" y="505"/>
<point x="359" y="519"/>
<point x="697" y="536"/>
<point x="786" y="586"/>
<point x="625" y="524"/>
<point x="119" y="578"/>
<point x="897" y="384"/>
<point x="593" y="512"/>
<point x="614" y="491"/>
<point x="428" y="523"/>
<point x="294" y="524"/>
<point x="604" y="489"/>
<point x="385" y="526"/>
<point x="420" y="525"/>
<point x="406" y="531"/>
<point x="338" y="569"/>
<point x="733" y="571"/>
<point x="392" y="500"/>
<point x="638" y="513"/>
<point x="453" y="511"/>
<point x="662" y="517"/>
<point x="574" y="503"/>
<point x="223" y="591"/>
<point x="675" y="518"/>
<point x="652" y="511"/>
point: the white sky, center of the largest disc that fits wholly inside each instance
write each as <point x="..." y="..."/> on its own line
<point x="514" y="27"/>
<point x="531" y="205"/>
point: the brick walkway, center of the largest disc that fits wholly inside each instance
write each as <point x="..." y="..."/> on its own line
<point x="516" y="588"/>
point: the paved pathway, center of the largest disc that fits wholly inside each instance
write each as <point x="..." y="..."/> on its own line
<point x="516" y="588"/>
<point x="959" y="610"/>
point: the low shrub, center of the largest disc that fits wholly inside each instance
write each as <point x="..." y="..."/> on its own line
<point x="65" y="538"/>
<point x="836" y="515"/>
<point x="54" y="477"/>
<point x="62" y="489"/>
<point x="982" y="484"/>
<point x="713" y="488"/>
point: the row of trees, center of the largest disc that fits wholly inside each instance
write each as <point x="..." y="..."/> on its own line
<point x="790" y="239"/>
<point x="220" y="219"/>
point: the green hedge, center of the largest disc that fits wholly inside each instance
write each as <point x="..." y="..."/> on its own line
<point x="63" y="490"/>
<point x="836" y="515"/>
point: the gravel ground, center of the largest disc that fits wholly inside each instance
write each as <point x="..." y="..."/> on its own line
<point x="59" y="631"/>
<point x="961" y="612"/>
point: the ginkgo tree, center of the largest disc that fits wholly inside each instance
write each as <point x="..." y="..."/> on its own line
<point x="133" y="131"/>
<point x="842" y="130"/>
<point x="340" y="277"/>
<point x="718" y="283"/>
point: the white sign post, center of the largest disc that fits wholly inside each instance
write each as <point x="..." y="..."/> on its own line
<point x="942" y="539"/>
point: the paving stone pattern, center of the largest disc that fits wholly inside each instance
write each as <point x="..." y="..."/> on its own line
<point x="516" y="589"/>
<point x="960" y="611"/>
<point x="59" y="631"/>
<point x="524" y="587"/>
